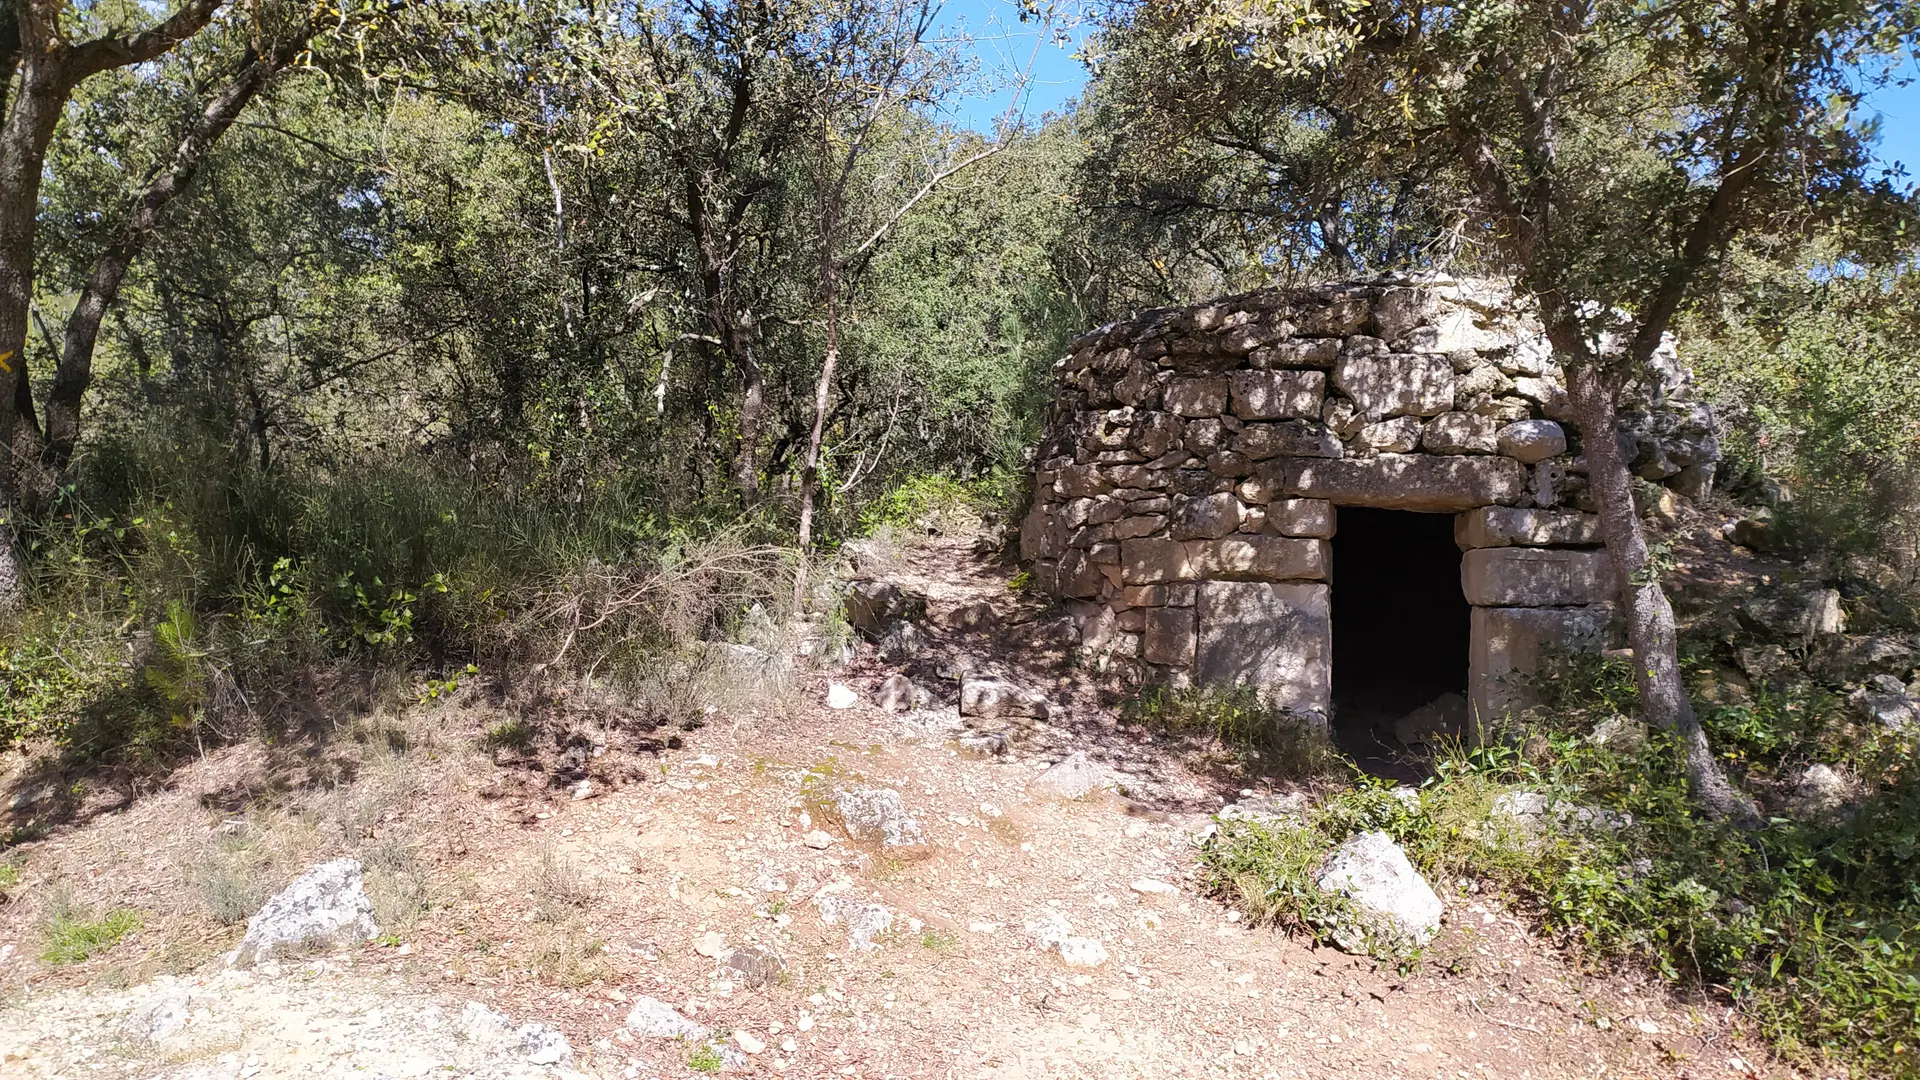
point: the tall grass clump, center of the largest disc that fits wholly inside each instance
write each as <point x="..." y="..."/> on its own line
<point x="181" y="596"/>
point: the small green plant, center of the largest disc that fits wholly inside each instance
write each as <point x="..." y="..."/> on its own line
<point x="71" y="940"/>
<point x="1021" y="581"/>
<point x="938" y="941"/>
<point x="9" y="873"/>
<point x="435" y="689"/>
<point x="706" y="1059"/>
<point x="1238" y="718"/>
<point x="515" y="734"/>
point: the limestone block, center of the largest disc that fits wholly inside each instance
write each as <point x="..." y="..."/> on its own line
<point x="1396" y="436"/>
<point x="1301" y="517"/>
<point x="1207" y="518"/>
<point x="1229" y="463"/>
<point x="1341" y="316"/>
<point x="1259" y="489"/>
<point x="1138" y="386"/>
<point x="1148" y="561"/>
<point x="1274" y="637"/>
<point x="1289" y="438"/>
<point x="1132" y="527"/>
<point x="1481" y="379"/>
<point x="1411" y="482"/>
<point x="1315" y="352"/>
<point x="1203" y="436"/>
<point x="1076" y="481"/>
<point x="1396" y="384"/>
<point x="1503" y="526"/>
<point x="1143" y="596"/>
<point x="1155" y="433"/>
<point x="1042" y="535"/>
<point x="1460" y="433"/>
<point x="1278" y="395"/>
<point x="1260" y="558"/>
<point x="1512" y="641"/>
<point x="1170" y="636"/>
<point x="1399" y="310"/>
<point x="1536" y="577"/>
<point x="1197" y="397"/>
<point x="1551" y="396"/>
<point x="1530" y="441"/>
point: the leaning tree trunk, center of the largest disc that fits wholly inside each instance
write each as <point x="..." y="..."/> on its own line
<point x="1651" y="630"/>
<point x="75" y="371"/>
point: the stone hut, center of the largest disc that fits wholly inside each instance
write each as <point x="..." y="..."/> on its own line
<point x="1360" y="499"/>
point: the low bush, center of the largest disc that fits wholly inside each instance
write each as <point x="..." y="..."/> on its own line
<point x="1812" y="924"/>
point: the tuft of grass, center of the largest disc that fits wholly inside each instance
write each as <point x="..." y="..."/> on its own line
<point x="558" y="887"/>
<point x="706" y="1059"/>
<point x="71" y="940"/>
<point x="9" y="873"/>
<point x="396" y="884"/>
<point x="515" y="734"/>
<point x="1238" y="719"/>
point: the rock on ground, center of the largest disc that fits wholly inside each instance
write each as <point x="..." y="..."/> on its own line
<point x="877" y="815"/>
<point x="326" y="906"/>
<point x="652" y="1018"/>
<point x="1823" y="794"/>
<point x="539" y="1044"/>
<point x="863" y="921"/>
<point x="752" y="967"/>
<point x="1076" y="777"/>
<point x="991" y="697"/>
<point x="1396" y="909"/>
<point x="897" y="694"/>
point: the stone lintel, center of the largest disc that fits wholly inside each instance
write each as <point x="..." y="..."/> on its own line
<point x="1410" y="481"/>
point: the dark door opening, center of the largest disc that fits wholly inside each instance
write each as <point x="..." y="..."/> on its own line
<point x="1400" y="634"/>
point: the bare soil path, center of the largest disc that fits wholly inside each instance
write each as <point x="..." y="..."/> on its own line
<point x="565" y="910"/>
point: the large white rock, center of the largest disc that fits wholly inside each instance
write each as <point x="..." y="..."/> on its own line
<point x="877" y="815"/>
<point x="652" y="1018"/>
<point x="1074" y="777"/>
<point x="1396" y="909"/>
<point x="990" y="697"/>
<point x="1530" y="441"/>
<point x="540" y="1044"/>
<point x="327" y="906"/>
<point x="1399" y="384"/>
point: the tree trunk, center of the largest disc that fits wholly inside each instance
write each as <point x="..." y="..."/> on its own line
<point x="75" y="371"/>
<point x="1650" y="624"/>
<point x="33" y="113"/>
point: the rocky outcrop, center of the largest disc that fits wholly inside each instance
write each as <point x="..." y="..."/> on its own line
<point x="1394" y="910"/>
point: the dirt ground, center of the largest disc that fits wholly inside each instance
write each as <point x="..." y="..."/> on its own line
<point x="503" y="887"/>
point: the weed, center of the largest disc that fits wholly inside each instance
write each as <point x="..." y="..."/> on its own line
<point x="558" y="887"/>
<point x="1239" y="719"/>
<point x="9" y="873"/>
<point x="566" y="956"/>
<point x="706" y="1059"/>
<point x="936" y="941"/>
<point x="71" y="939"/>
<point x="514" y="734"/>
<point x="230" y="888"/>
<point x="396" y="884"/>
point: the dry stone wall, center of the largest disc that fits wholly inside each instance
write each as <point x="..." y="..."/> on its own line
<point x="1195" y="460"/>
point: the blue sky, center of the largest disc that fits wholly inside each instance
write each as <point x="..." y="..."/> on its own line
<point x="1005" y="46"/>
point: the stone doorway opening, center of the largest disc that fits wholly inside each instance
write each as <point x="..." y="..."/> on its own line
<point x="1401" y="636"/>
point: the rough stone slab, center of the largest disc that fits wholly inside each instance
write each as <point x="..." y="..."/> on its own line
<point x="1278" y="395"/>
<point x="1396" y="384"/>
<point x="1288" y="438"/>
<point x="1536" y="577"/>
<point x="1197" y="397"/>
<point x="1504" y="526"/>
<point x="1317" y="353"/>
<point x="1274" y="637"/>
<point x="1460" y="433"/>
<point x="1153" y="561"/>
<point x="1260" y="558"/>
<point x="1170" y="636"/>
<point x="1311" y="518"/>
<point x="1396" y="436"/>
<point x="1411" y="482"/>
<point x="1209" y="517"/>
<point x="1510" y="641"/>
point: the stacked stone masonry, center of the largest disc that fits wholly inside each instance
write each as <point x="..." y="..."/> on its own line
<point x="1189" y="482"/>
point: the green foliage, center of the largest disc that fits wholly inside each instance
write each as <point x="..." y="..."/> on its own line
<point x="706" y="1059"/>
<point x="1238" y="718"/>
<point x="71" y="939"/>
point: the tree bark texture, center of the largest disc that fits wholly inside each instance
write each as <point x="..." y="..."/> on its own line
<point x="1651" y="629"/>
